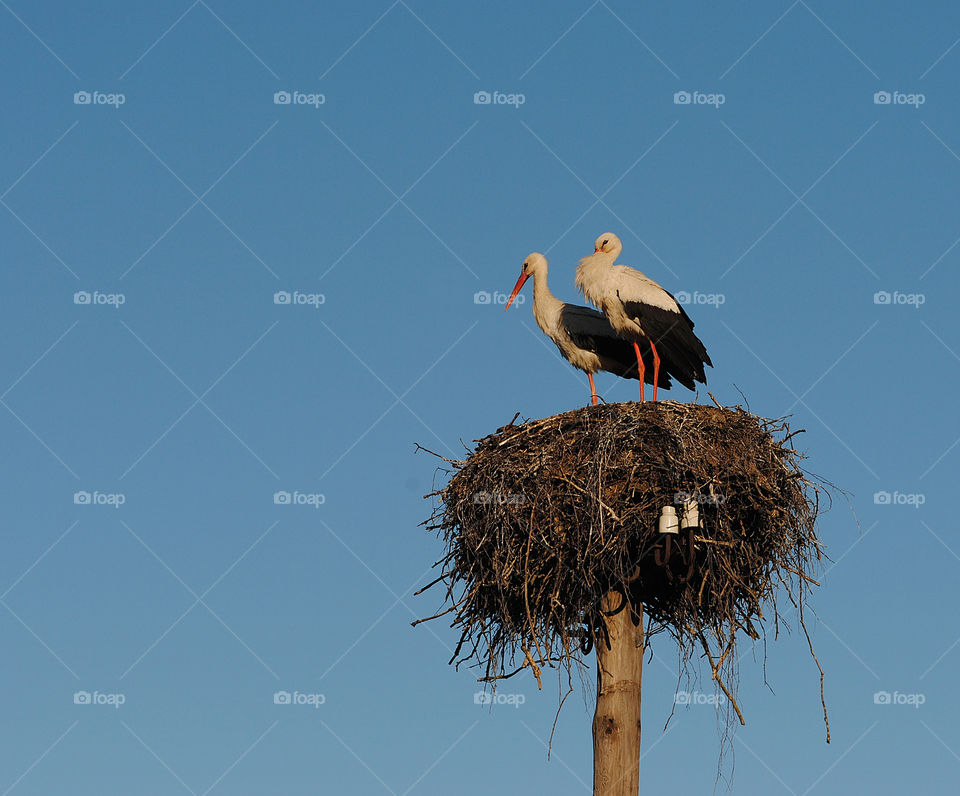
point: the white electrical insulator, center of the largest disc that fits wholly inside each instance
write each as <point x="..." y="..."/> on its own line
<point x="668" y="520"/>
<point x="691" y="514"/>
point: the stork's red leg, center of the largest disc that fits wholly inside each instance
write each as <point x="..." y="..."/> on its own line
<point x="640" y="368"/>
<point x="656" y="368"/>
<point x="593" y="390"/>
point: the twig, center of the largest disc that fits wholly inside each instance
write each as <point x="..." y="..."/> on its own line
<point x="802" y="575"/>
<point x="419" y="447"/>
<point x="435" y="616"/>
<point x="595" y="497"/>
<point x="526" y="599"/>
<point x="533" y="665"/>
<point x="816" y="660"/>
<point x="719" y="680"/>
<point x="431" y="583"/>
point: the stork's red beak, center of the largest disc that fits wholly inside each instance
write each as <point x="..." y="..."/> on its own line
<point x="516" y="289"/>
<point x="596" y="249"/>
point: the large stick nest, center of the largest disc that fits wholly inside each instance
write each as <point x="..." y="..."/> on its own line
<point x="545" y="517"/>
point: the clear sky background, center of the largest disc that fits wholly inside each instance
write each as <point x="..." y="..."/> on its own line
<point x="791" y="212"/>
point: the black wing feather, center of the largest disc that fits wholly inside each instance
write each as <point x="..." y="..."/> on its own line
<point x="591" y="331"/>
<point x="682" y="354"/>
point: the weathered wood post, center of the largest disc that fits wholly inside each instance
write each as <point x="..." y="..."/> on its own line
<point x="616" y="722"/>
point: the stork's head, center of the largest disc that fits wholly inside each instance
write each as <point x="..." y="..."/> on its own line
<point x="535" y="263"/>
<point x="608" y="243"/>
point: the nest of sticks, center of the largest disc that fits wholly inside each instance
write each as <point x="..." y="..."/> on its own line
<point x="545" y="517"/>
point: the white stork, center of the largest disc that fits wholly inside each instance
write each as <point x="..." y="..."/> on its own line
<point x="641" y="311"/>
<point x="584" y="336"/>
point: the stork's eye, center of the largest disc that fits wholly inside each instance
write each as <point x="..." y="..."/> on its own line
<point x="605" y="242"/>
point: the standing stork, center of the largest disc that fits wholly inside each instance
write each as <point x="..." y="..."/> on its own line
<point x="584" y="336"/>
<point x="641" y="311"/>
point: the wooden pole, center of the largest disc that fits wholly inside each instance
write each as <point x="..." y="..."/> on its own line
<point x="616" y="722"/>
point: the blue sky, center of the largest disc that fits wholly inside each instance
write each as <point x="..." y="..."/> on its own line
<point x="157" y="193"/>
